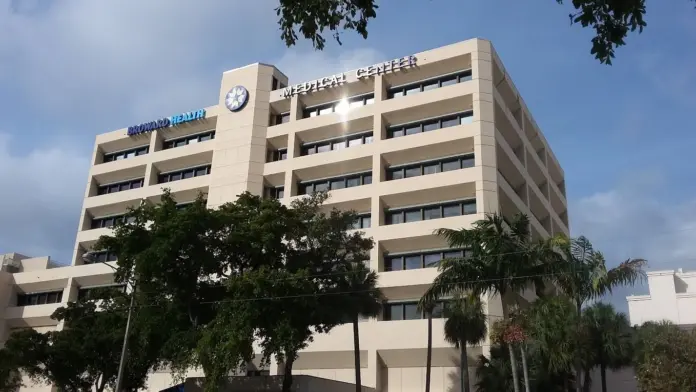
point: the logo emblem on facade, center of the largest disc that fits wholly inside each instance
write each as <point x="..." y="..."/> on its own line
<point x="236" y="98"/>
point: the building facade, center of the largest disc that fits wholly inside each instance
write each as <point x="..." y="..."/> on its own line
<point x="672" y="297"/>
<point x="429" y="140"/>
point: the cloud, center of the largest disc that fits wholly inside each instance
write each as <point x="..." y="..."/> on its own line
<point x="632" y="220"/>
<point x="130" y="58"/>
<point x="86" y="67"/>
<point x="41" y="197"/>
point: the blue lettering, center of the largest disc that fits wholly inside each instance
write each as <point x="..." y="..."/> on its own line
<point x="200" y="114"/>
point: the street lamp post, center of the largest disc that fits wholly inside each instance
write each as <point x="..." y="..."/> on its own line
<point x="89" y="257"/>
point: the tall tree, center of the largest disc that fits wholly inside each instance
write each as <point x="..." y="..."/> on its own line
<point x="85" y="355"/>
<point x="289" y="293"/>
<point x="10" y="376"/>
<point x="501" y="259"/>
<point x="611" y="20"/>
<point x="610" y="339"/>
<point x="173" y="255"/>
<point x="427" y="308"/>
<point x="362" y="298"/>
<point x="466" y="324"/>
<point x="582" y="275"/>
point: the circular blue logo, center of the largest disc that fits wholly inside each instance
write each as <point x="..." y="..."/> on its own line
<point x="236" y="98"/>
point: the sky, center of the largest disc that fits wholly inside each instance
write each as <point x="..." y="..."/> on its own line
<point x="72" y="69"/>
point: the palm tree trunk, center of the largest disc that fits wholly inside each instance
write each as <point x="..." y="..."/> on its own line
<point x="513" y="365"/>
<point x="578" y="364"/>
<point x="356" y="344"/>
<point x="603" y="374"/>
<point x="511" y="350"/>
<point x="464" y="367"/>
<point x="429" y="353"/>
<point x="525" y="371"/>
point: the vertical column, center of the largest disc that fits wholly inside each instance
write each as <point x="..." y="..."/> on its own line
<point x="380" y="88"/>
<point x="156" y="139"/>
<point x="240" y="140"/>
<point x="371" y="375"/>
<point x="295" y="108"/>
<point x="290" y="184"/>
<point x="378" y="128"/>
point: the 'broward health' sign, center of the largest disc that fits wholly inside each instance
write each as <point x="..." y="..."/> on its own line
<point x="360" y="73"/>
<point x="166" y="122"/>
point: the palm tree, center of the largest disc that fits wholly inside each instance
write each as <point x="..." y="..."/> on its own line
<point x="427" y="308"/>
<point x="364" y="299"/>
<point x="583" y="276"/>
<point x="465" y="325"/>
<point x="610" y="338"/>
<point x="501" y="259"/>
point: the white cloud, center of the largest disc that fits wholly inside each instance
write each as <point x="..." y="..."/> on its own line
<point x="41" y="197"/>
<point x="84" y="61"/>
<point x="99" y="56"/>
<point x="632" y="221"/>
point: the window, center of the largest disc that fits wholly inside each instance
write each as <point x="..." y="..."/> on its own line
<point x="333" y="107"/>
<point x="429" y="84"/>
<point x="362" y="222"/>
<point x="49" y="297"/>
<point x="418" y="260"/>
<point x="429" y="167"/>
<point x="280" y="154"/>
<point x="336" y="143"/>
<point x="433" y="211"/>
<point x="328" y="184"/>
<point x="279" y="118"/>
<point x="108" y="221"/>
<point x="183" y="174"/>
<point x="102" y="256"/>
<point x="119" y="186"/>
<point x="186" y="140"/>
<point x="277" y="192"/>
<point x="125" y="154"/>
<point x="274" y="83"/>
<point x="87" y="293"/>
<point x="429" y="124"/>
<point x="409" y="311"/>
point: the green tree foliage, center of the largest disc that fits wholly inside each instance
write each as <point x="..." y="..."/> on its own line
<point x="611" y="20"/>
<point x="582" y="275"/>
<point x="609" y="341"/>
<point x="85" y="354"/>
<point x="466" y="324"/>
<point x="362" y="298"/>
<point x="250" y="271"/>
<point x="665" y="358"/>
<point x="502" y="260"/>
<point x="10" y="378"/>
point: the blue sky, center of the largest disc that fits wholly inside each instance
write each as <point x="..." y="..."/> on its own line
<point x="72" y="69"/>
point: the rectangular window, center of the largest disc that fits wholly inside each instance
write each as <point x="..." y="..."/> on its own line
<point x="51" y="297"/>
<point x="332" y="107"/>
<point x="418" y="260"/>
<point x="430" y="167"/>
<point x="186" y="140"/>
<point x="335" y="183"/>
<point x="183" y="174"/>
<point x="126" y="154"/>
<point x="429" y="84"/>
<point x="362" y="222"/>
<point x="119" y="187"/>
<point x="429" y="124"/>
<point x="336" y="143"/>
<point x="433" y="211"/>
<point x="280" y="154"/>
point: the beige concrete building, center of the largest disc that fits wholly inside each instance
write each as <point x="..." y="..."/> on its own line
<point x="433" y="139"/>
